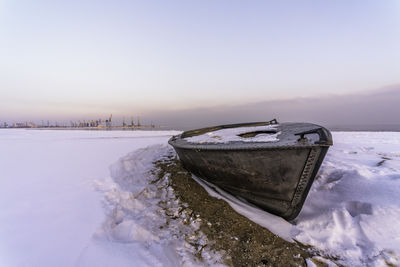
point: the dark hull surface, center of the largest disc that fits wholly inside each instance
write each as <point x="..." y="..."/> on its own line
<point x="275" y="177"/>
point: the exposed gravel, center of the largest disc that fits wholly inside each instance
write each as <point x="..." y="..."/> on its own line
<point x="241" y="241"/>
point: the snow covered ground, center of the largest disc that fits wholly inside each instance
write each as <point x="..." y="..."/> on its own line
<point x="353" y="209"/>
<point x="83" y="198"/>
<point x="49" y="210"/>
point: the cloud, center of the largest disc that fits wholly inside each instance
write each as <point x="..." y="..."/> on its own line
<point x="374" y="108"/>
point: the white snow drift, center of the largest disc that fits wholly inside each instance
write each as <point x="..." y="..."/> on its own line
<point x="136" y="203"/>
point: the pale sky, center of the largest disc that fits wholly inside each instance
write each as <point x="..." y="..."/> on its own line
<point x="87" y="59"/>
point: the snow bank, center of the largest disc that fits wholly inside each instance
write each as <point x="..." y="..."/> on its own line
<point x="353" y="209"/>
<point x="146" y="224"/>
<point x="232" y="134"/>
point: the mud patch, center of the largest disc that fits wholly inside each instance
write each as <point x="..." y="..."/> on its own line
<point x="243" y="242"/>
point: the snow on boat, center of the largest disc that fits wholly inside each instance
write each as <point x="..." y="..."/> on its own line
<point x="268" y="164"/>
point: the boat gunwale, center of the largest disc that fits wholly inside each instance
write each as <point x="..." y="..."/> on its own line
<point x="180" y="142"/>
<point x="201" y="131"/>
<point x="236" y="145"/>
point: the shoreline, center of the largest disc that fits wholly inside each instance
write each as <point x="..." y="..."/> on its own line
<point x="164" y="128"/>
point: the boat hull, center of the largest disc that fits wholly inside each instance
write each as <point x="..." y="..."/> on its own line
<point x="274" y="178"/>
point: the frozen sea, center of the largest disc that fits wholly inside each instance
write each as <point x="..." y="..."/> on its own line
<point x="83" y="198"/>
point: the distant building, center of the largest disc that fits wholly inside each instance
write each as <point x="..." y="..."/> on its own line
<point x="24" y="125"/>
<point x="19" y="125"/>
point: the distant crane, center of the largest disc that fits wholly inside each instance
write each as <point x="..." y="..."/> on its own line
<point x="132" y="123"/>
<point x="108" y="122"/>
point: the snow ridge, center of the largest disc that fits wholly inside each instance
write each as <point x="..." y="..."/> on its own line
<point x="146" y="219"/>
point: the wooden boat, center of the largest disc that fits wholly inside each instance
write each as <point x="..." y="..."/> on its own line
<point x="273" y="175"/>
